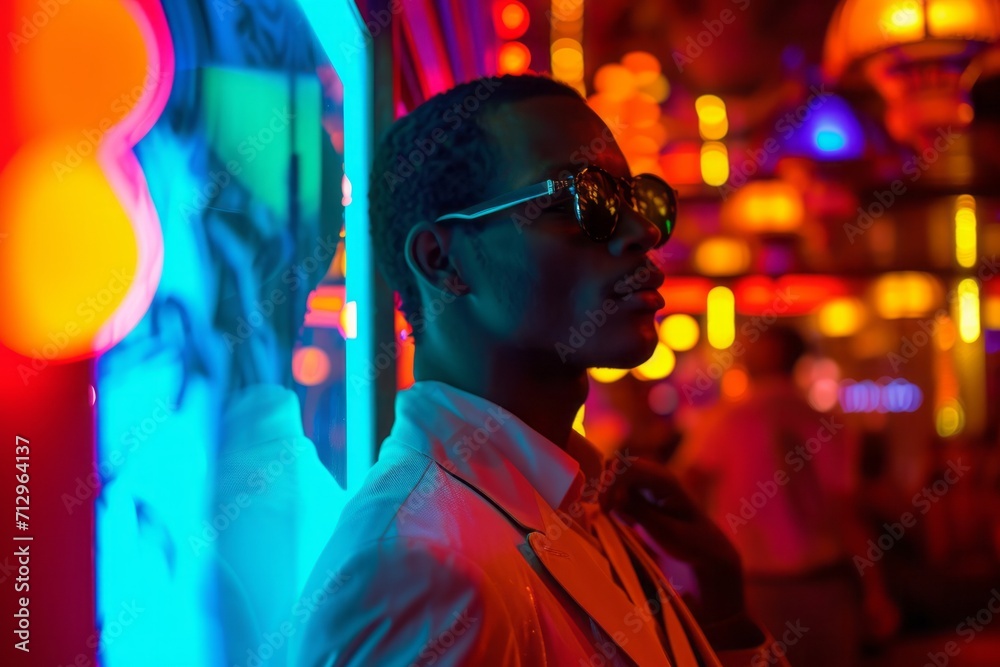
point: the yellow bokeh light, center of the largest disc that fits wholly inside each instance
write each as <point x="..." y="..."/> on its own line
<point x="679" y="332"/>
<point x="578" y="421"/>
<point x="567" y="62"/>
<point x="722" y="256"/>
<point x="714" y="163"/>
<point x="841" y="317"/>
<point x="965" y="233"/>
<point x="63" y="277"/>
<point x="950" y="419"/>
<point x="567" y="43"/>
<point x="713" y="122"/>
<point x="905" y="294"/>
<point x="567" y="59"/>
<point x="713" y="131"/>
<point x="950" y="17"/>
<point x="607" y="375"/>
<point x="903" y="18"/>
<point x="765" y="206"/>
<point x="658" y="366"/>
<point x="721" y="312"/>
<point x="968" y="310"/>
<point x="711" y="109"/>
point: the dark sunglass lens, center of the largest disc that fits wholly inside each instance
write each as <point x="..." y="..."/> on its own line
<point x="655" y="201"/>
<point x="597" y="203"/>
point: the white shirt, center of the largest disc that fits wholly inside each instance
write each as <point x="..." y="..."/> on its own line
<point x="452" y="553"/>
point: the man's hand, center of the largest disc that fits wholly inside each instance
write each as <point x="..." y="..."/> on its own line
<point x="649" y="495"/>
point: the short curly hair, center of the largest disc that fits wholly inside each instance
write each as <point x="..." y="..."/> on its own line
<point x="437" y="159"/>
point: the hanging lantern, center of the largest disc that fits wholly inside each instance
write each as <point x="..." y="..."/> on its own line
<point x="918" y="54"/>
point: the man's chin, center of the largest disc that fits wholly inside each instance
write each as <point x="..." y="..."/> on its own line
<point x="626" y="351"/>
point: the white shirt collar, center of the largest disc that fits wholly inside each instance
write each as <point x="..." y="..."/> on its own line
<point x="464" y="423"/>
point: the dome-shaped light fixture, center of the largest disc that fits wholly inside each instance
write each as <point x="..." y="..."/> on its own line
<point x="918" y="54"/>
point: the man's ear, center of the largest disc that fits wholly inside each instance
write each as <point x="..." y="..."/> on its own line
<point x="428" y="254"/>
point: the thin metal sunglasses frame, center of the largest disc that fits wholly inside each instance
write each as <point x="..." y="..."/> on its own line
<point x="542" y="189"/>
<point x="501" y="202"/>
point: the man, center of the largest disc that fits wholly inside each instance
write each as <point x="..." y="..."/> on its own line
<point x="780" y="479"/>
<point x="503" y="215"/>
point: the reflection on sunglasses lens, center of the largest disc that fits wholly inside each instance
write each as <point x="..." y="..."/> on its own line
<point x="600" y="194"/>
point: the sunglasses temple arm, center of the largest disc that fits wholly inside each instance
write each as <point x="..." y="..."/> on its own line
<point x="518" y="196"/>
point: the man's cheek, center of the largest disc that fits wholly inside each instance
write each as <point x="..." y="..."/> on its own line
<point x="624" y="289"/>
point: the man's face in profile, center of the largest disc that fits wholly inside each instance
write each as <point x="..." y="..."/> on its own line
<point x="541" y="285"/>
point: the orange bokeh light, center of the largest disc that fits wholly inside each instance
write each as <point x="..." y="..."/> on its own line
<point x="513" y="58"/>
<point x="84" y="250"/>
<point x="734" y="383"/>
<point x="310" y="365"/>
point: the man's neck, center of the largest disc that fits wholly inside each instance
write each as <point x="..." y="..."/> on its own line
<point x="544" y="396"/>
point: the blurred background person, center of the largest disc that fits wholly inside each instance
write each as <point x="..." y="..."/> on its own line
<point x="781" y="479"/>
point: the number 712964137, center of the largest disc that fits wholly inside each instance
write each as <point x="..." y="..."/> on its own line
<point x="21" y="460"/>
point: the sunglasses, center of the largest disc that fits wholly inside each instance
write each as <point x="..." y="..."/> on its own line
<point x="598" y="198"/>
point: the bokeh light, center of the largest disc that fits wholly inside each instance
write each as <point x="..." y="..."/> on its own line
<point x="513" y="58"/>
<point x="841" y="317"/>
<point x="714" y="163"/>
<point x="721" y="311"/>
<point x="658" y="366"/>
<point x="949" y="419"/>
<point x="310" y="365"/>
<point x="607" y="375"/>
<point x="679" y="332"/>
<point x="734" y="383"/>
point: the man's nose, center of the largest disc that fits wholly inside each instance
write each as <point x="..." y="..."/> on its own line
<point x="634" y="233"/>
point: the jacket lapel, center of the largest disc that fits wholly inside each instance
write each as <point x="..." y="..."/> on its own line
<point x="573" y="563"/>
<point x="697" y="637"/>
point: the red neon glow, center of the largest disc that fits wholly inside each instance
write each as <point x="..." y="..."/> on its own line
<point x="685" y="295"/>
<point x="787" y="295"/>
<point x="510" y="18"/>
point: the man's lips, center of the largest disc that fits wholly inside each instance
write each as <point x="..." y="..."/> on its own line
<point x="632" y="285"/>
<point x="650" y="298"/>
